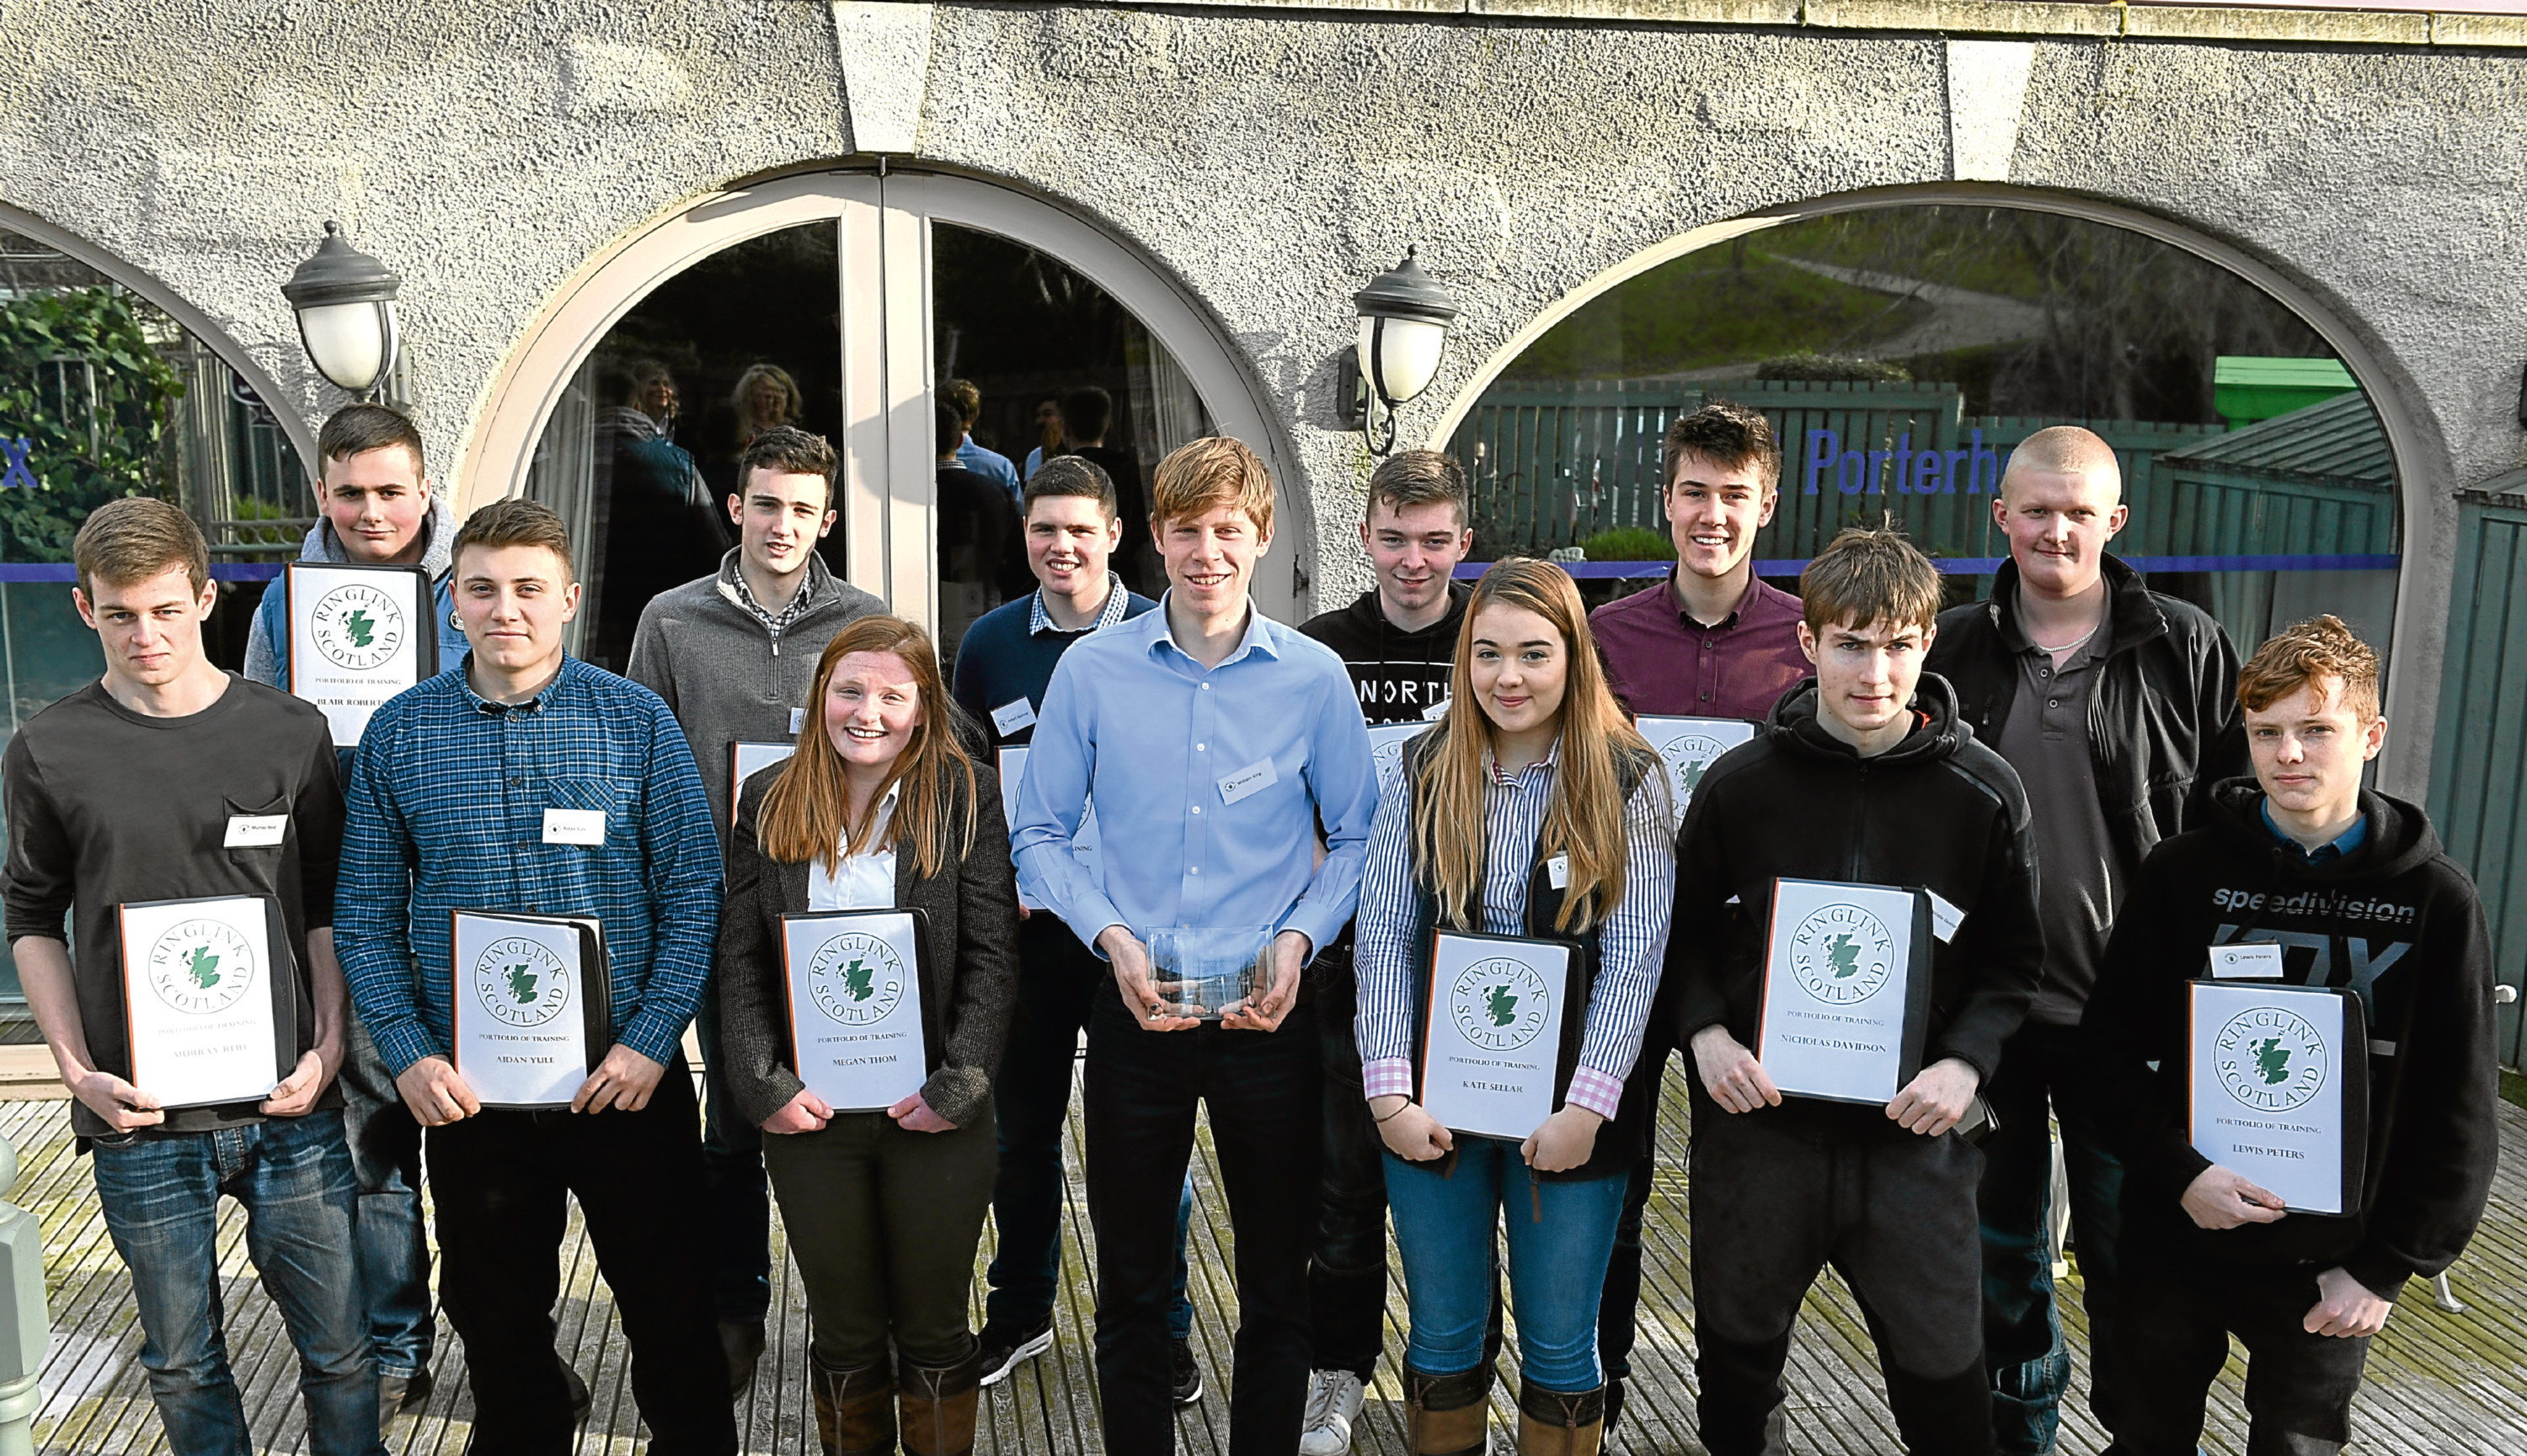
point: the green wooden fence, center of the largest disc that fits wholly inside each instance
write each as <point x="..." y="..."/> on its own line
<point x="1555" y="464"/>
<point x="2480" y="753"/>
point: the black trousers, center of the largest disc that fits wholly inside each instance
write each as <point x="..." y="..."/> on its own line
<point x="500" y="1182"/>
<point x="2178" y="1313"/>
<point x="1778" y="1195"/>
<point x="1263" y="1093"/>
<point x="1347" y="1276"/>
<point x="1619" y="1306"/>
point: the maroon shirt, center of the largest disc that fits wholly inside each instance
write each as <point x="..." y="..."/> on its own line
<point x="1662" y="662"/>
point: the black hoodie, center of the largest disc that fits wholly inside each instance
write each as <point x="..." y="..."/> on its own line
<point x="2397" y="921"/>
<point x="1400" y="675"/>
<point x="1937" y="810"/>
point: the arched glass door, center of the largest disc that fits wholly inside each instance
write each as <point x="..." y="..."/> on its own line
<point x="846" y="303"/>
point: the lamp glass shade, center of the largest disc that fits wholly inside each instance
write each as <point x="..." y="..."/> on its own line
<point x="352" y="344"/>
<point x="1406" y="358"/>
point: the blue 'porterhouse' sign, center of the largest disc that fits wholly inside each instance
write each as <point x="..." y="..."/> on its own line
<point x="1913" y="472"/>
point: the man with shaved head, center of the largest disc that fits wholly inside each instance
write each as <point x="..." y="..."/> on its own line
<point x="2113" y="703"/>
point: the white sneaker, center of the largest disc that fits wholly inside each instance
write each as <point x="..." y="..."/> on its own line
<point x="1333" y="1402"/>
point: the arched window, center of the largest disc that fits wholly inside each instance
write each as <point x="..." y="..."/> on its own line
<point x="866" y="296"/>
<point x="111" y="386"/>
<point x="1901" y="348"/>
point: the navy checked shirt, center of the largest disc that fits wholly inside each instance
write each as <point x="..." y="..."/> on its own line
<point x="445" y="812"/>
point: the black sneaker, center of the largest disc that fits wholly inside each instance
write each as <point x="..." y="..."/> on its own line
<point x="1187" y="1375"/>
<point x="1002" y="1348"/>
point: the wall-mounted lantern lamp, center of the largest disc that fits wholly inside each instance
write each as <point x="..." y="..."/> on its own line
<point x="346" y="301"/>
<point x="1403" y="318"/>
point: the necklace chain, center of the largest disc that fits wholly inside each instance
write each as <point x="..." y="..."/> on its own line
<point x="2074" y="643"/>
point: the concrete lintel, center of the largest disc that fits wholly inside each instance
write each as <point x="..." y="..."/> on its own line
<point x="2062" y="19"/>
<point x="1986" y="94"/>
<point x="885" y="50"/>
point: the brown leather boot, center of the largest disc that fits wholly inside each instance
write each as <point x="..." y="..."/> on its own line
<point x="855" y="1408"/>
<point x="1445" y="1415"/>
<point x="1553" y="1424"/>
<point x="938" y="1406"/>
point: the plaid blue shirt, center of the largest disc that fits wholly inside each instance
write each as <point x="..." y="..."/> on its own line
<point x="445" y="812"/>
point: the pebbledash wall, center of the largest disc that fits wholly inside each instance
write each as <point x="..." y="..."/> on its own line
<point x="1268" y="158"/>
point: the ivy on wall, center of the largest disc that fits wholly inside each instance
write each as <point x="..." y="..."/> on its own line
<point x="87" y="398"/>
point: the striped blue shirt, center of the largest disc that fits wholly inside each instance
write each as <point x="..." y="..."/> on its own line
<point x="446" y="811"/>
<point x="1631" y="943"/>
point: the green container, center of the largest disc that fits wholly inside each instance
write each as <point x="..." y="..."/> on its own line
<point x="2246" y="389"/>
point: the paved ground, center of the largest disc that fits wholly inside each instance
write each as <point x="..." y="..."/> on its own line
<point x="2439" y="1383"/>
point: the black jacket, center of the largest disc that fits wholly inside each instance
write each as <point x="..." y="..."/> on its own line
<point x="1937" y="810"/>
<point x="2395" y="919"/>
<point x="2162" y="718"/>
<point x="971" y="909"/>
<point x="1399" y="674"/>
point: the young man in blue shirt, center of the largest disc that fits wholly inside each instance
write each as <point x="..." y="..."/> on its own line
<point x="1003" y="666"/>
<point x="534" y="782"/>
<point x="378" y="510"/>
<point x="1214" y="741"/>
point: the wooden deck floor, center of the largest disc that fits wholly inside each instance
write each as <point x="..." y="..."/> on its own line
<point x="2438" y="1383"/>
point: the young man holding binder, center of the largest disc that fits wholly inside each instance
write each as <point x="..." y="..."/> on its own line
<point x="1214" y="741"/>
<point x="532" y="783"/>
<point x="2350" y="890"/>
<point x="238" y="804"/>
<point x="1713" y="641"/>
<point x="734" y="656"/>
<point x="1863" y="777"/>
<point x="378" y="510"/>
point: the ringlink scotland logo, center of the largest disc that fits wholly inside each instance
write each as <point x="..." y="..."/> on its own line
<point x="357" y="627"/>
<point x="1686" y="757"/>
<point x="856" y="979"/>
<point x="1843" y="954"/>
<point x="201" y="967"/>
<point x="1498" y="1004"/>
<point x="2270" y="1059"/>
<point x="1388" y="754"/>
<point x="521" y="981"/>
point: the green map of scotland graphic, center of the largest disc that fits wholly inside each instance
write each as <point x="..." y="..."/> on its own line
<point x="201" y="967"/>
<point x="357" y="627"/>
<point x="856" y="979"/>
<point x="1686" y="759"/>
<point x="520" y="982"/>
<point x="2270" y="1059"/>
<point x="1843" y="954"/>
<point x="1498" y="1003"/>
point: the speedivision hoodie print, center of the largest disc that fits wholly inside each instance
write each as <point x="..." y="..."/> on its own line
<point x="2399" y="922"/>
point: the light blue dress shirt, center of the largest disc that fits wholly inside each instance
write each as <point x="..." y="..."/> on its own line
<point x="1209" y="784"/>
<point x="992" y="466"/>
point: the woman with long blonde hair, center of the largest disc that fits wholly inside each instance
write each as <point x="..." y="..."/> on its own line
<point x="880" y="806"/>
<point x="1532" y="809"/>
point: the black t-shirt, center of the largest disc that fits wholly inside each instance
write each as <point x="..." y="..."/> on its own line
<point x="108" y="806"/>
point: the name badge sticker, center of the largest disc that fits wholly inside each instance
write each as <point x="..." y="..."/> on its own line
<point x="256" y="831"/>
<point x="2259" y="961"/>
<point x="798" y="720"/>
<point x="573" y="827"/>
<point x="1944" y="918"/>
<point x="1248" y="781"/>
<point x="1016" y="716"/>
<point x="1556" y="872"/>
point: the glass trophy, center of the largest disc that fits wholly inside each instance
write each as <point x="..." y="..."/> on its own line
<point x="1203" y="971"/>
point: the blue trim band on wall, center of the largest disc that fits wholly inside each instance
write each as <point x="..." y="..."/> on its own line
<point x="1984" y="566"/>
<point x="68" y="575"/>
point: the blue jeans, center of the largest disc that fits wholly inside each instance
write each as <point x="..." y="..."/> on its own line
<point x="385" y="1171"/>
<point x="161" y="1198"/>
<point x="1561" y="1234"/>
<point x="2023" y="1348"/>
<point x="740" y="1201"/>
<point x="1031" y="1098"/>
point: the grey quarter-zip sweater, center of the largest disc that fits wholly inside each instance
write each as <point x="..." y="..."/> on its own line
<point x="727" y="676"/>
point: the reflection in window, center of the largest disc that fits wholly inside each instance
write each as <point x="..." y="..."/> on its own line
<point x="1901" y="352"/>
<point x="102" y="396"/>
